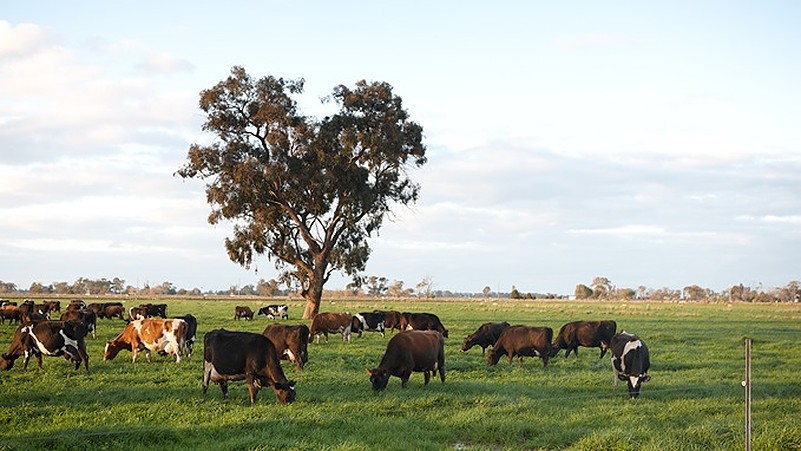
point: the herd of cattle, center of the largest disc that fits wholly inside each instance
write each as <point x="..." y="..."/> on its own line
<point x="230" y="356"/>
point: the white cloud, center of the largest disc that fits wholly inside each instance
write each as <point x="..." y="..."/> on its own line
<point x="20" y="39"/>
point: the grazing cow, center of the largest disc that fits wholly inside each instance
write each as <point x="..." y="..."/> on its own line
<point x="372" y="321"/>
<point x="11" y="313"/>
<point x="50" y="338"/>
<point x="76" y="304"/>
<point x="590" y="334"/>
<point x="135" y="313"/>
<point x="165" y="336"/>
<point x="234" y="356"/>
<point x="88" y="318"/>
<point x="330" y="322"/>
<point x="55" y="306"/>
<point x="422" y="321"/>
<point x="392" y="320"/>
<point x="415" y="350"/>
<point x="522" y="341"/>
<point x="274" y="311"/>
<point x="191" y="332"/>
<point x="486" y="335"/>
<point x="153" y="310"/>
<point x="630" y="361"/>
<point x="243" y="312"/>
<point x="26" y="309"/>
<point x="113" y="311"/>
<point x="291" y="342"/>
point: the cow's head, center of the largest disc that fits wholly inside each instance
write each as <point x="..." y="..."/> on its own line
<point x="469" y="342"/>
<point x="379" y="377"/>
<point x="112" y="349"/>
<point x="634" y="382"/>
<point x="7" y="362"/>
<point x="284" y="391"/>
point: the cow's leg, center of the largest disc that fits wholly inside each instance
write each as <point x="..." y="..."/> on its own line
<point x="603" y="350"/>
<point x="207" y="367"/>
<point x="442" y="371"/>
<point x="224" y="388"/>
<point x="426" y="376"/>
<point x="253" y="389"/>
<point x="405" y="378"/>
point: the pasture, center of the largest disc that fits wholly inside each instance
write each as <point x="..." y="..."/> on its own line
<point x="694" y="401"/>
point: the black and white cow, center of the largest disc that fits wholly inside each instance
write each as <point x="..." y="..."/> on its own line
<point x="50" y="338"/>
<point x="274" y="311"/>
<point x="630" y="361"/>
<point x="372" y="321"/>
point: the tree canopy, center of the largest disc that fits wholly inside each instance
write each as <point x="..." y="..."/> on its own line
<point x="305" y="192"/>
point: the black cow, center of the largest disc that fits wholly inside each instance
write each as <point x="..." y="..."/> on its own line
<point x="274" y="311"/>
<point x="291" y="342"/>
<point x="590" y="334"/>
<point x="153" y="310"/>
<point x="522" y="341"/>
<point x="51" y="338"/>
<point x="415" y="350"/>
<point x="191" y="332"/>
<point x="234" y="356"/>
<point x="372" y="321"/>
<point x="88" y="318"/>
<point x="422" y="321"/>
<point x="486" y="335"/>
<point x="630" y="361"/>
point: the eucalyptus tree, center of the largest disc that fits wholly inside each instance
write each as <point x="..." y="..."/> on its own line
<point x="306" y="193"/>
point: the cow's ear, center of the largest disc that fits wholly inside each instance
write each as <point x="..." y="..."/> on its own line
<point x="368" y="371"/>
<point x="646" y="378"/>
<point x="622" y="377"/>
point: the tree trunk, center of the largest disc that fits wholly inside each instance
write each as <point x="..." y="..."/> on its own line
<point x="313" y="297"/>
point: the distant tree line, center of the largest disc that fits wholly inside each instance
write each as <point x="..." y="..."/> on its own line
<point x="601" y="288"/>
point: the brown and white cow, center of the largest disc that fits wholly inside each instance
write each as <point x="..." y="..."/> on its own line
<point x="330" y="323"/>
<point x="291" y="342"/>
<point x="50" y="338"/>
<point x="522" y="341"/>
<point x="590" y="334"/>
<point x="415" y="350"/>
<point x="486" y="335"/>
<point x="630" y="361"/>
<point x="243" y="312"/>
<point x="422" y="321"/>
<point x="234" y="356"/>
<point x="165" y="336"/>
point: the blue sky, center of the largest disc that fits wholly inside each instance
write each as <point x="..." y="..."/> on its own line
<point x="654" y="145"/>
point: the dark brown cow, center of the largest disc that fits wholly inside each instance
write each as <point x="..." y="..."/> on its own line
<point x="50" y="338"/>
<point x="392" y="319"/>
<point x="234" y="356"/>
<point x="291" y="342"/>
<point x="415" y="350"/>
<point x="522" y="341"/>
<point x="88" y="318"/>
<point x="165" y="336"/>
<point x="330" y="322"/>
<point x="26" y="309"/>
<point x="11" y="313"/>
<point x="243" y="312"/>
<point x="486" y="335"/>
<point x="55" y="306"/>
<point x="590" y="334"/>
<point x="422" y="321"/>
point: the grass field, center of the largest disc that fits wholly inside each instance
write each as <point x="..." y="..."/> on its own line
<point x="694" y="401"/>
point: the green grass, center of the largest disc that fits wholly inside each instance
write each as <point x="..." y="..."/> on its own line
<point x="695" y="400"/>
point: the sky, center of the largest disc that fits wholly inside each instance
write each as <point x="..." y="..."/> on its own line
<point x="656" y="144"/>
